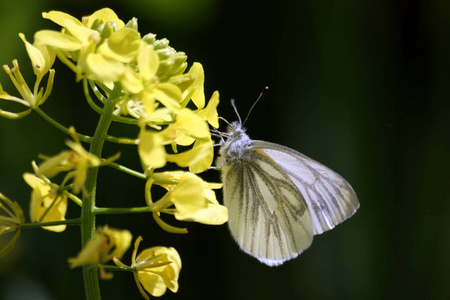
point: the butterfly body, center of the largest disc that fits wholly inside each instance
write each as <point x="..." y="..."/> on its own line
<point x="277" y="198"/>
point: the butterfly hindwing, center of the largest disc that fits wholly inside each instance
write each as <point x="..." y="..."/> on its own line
<point x="329" y="197"/>
<point x="268" y="216"/>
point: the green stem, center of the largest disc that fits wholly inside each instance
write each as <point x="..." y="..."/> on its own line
<point x="55" y="223"/>
<point x="116" y="268"/>
<point x="90" y="276"/>
<point x="124" y="141"/>
<point x="91" y="102"/>
<point x="84" y="138"/>
<point x="127" y="170"/>
<point x="96" y="108"/>
<point x="121" y="210"/>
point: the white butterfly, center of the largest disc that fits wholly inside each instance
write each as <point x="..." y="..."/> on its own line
<point x="277" y="198"/>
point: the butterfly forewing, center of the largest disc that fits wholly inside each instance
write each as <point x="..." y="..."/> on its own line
<point x="268" y="217"/>
<point x="329" y="197"/>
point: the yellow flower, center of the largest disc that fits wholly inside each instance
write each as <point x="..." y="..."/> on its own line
<point x="213" y="214"/>
<point x="103" y="16"/>
<point x="148" y="62"/>
<point x="155" y="269"/>
<point x="108" y="63"/>
<point x="47" y="205"/>
<point x="11" y="220"/>
<point x="42" y="59"/>
<point x="100" y="45"/>
<point x="198" y="159"/>
<point x="78" y="159"/>
<point x="195" y="92"/>
<point x="194" y="200"/>
<point x="187" y="128"/>
<point x="106" y="244"/>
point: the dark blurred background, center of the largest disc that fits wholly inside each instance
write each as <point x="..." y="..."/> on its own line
<point x="360" y="86"/>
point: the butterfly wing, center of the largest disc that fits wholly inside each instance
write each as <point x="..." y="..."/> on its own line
<point x="268" y="217"/>
<point x="329" y="197"/>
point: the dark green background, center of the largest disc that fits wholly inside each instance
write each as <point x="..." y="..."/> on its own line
<point x="361" y="86"/>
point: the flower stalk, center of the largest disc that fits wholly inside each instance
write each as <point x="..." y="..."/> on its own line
<point x="90" y="275"/>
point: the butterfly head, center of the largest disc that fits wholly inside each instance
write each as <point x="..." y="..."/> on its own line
<point x="235" y="131"/>
<point x="234" y="147"/>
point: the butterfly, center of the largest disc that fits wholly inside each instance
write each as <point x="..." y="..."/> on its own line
<point x="278" y="198"/>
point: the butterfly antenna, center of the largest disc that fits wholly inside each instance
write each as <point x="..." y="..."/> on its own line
<point x="225" y="120"/>
<point x="236" y="111"/>
<point x="251" y="108"/>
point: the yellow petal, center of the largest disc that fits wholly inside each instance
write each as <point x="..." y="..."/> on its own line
<point x="32" y="180"/>
<point x="56" y="39"/>
<point x="205" y="153"/>
<point x="148" y="61"/>
<point x="152" y="283"/>
<point x="105" y="15"/>
<point x="198" y="157"/>
<point x="103" y="68"/>
<point x="106" y="244"/>
<point x="214" y="214"/>
<point x="154" y="256"/>
<point x="121" y="239"/>
<point x="123" y="45"/>
<point x="45" y="201"/>
<point x="92" y="160"/>
<point x="49" y="55"/>
<point x="196" y="89"/>
<point x="168" y="94"/>
<point x="188" y="197"/>
<point x="182" y="139"/>
<point x="210" y="111"/>
<point x="131" y="81"/>
<point x="56" y="164"/>
<point x="151" y="149"/>
<point x="60" y="17"/>
<point x="89" y="254"/>
<point x="84" y="35"/>
<point x="37" y="59"/>
<point x="191" y="124"/>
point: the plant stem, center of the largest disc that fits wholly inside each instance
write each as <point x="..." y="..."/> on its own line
<point x="55" y="223"/>
<point x="115" y="268"/>
<point x="64" y="129"/>
<point x="120" y="210"/>
<point x="90" y="275"/>
<point x="127" y="170"/>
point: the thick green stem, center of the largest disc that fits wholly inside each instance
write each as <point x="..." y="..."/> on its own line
<point x="90" y="275"/>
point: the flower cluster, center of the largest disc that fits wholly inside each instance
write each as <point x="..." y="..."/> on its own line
<point x="42" y="59"/>
<point x="140" y="81"/>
